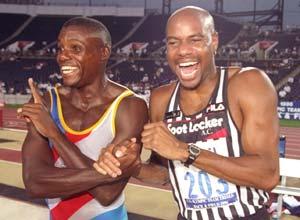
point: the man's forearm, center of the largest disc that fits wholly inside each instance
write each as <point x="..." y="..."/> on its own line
<point x="249" y="170"/>
<point x="51" y="182"/>
<point x="73" y="158"/>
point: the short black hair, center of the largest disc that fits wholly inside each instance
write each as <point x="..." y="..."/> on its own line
<point x="93" y="26"/>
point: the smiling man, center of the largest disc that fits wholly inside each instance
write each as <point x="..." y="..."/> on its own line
<point x="216" y="126"/>
<point x="70" y="126"/>
<point x="227" y="159"/>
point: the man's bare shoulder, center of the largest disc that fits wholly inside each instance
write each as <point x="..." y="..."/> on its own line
<point x="248" y="77"/>
<point x="250" y="83"/>
<point x="134" y="105"/>
<point x="131" y="115"/>
<point x="134" y="100"/>
<point x="159" y="100"/>
<point x="163" y="93"/>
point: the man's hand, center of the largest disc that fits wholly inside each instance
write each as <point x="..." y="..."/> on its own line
<point x="115" y="159"/>
<point x="157" y="137"/>
<point x="37" y="113"/>
<point x="107" y="163"/>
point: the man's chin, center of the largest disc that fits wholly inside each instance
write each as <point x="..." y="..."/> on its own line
<point x="71" y="79"/>
<point x="69" y="83"/>
<point x="189" y="85"/>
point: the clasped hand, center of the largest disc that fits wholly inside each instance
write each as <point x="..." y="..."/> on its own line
<point x="114" y="160"/>
<point x="155" y="136"/>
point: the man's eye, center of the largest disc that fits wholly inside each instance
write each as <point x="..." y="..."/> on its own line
<point x="197" y="39"/>
<point x="76" y="48"/>
<point x="171" y="43"/>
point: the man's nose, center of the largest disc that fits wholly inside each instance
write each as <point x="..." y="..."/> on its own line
<point x="184" y="49"/>
<point x="62" y="55"/>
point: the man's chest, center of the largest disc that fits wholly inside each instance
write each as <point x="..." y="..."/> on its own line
<point x="78" y="119"/>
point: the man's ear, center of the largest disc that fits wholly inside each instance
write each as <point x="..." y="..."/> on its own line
<point x="215" y="41"/>
<point x="105" y="52"/>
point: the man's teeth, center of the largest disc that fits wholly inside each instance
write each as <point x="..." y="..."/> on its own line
<point x="68" y="69"/>
<point x="187" y="64"/>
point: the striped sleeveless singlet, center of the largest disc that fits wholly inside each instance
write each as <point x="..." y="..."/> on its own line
<point x="89" y="141"/>
<point x="199" y="194"/>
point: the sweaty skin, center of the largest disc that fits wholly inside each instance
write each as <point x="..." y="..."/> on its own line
<point x="85" y="95"/>
<point x="252" y="102"/>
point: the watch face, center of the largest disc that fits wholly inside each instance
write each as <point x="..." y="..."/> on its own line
<point x="195" y="150"/>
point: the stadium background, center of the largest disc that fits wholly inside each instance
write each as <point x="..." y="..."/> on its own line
<point x="264" y="34"/>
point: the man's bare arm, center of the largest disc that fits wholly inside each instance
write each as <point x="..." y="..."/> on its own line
<point x="131" y="117"/>
<point x="259" y="127"/>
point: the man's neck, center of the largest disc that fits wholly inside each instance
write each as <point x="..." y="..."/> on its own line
<point x="90" y="96"/>
<point x="194" y="100"/>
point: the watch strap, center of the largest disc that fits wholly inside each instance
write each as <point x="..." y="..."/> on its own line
<point x="194" y="152"/>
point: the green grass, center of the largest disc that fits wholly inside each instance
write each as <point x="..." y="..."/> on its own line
<point x="13" y="105"/>
<point x="289" y="123"/>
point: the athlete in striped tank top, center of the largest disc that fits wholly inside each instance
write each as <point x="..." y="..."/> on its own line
<point x="212" y="128"/>
<point x="217" y="127"/>
<point x="70" y="126"/>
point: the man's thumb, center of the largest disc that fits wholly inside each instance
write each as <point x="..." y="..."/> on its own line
<point x="120" y="152"/>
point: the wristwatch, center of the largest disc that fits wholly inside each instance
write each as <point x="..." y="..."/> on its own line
<point x="194" y="152"/>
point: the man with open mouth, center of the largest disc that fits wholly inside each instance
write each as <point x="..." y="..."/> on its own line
<point x="216" y="128"/>
<point x="69" y="127"/>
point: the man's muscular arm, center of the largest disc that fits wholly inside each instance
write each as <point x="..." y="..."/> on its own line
<point x="131" y="116"/>
<point x="78" y="165"/>
<point x="256" y="99"/>
<point x="252" y="103"/>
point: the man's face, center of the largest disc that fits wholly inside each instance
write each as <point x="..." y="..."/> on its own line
<point x="189" y="49"/>
<point x="79" y="56"/>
